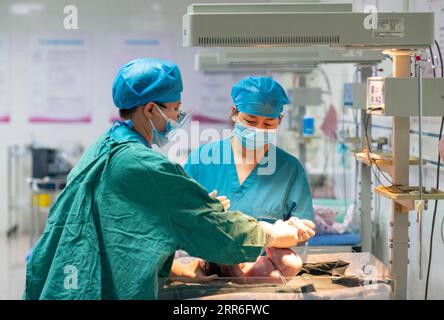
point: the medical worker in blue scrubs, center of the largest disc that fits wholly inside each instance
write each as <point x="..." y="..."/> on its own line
<point x="259" y="178"/>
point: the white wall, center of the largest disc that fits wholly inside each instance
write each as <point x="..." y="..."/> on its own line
<point x="99" y="18"/>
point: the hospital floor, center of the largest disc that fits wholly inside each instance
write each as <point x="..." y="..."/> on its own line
<point x="13" y="253"/>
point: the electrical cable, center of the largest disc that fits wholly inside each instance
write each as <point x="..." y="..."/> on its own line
<point x="437" y="182"/>
<point x="442" y="229"/>
<point x="326" y="80"/>
<point x="372" y="160"/>
<point x="344" y="161"/>
<point x="432" y="60"/>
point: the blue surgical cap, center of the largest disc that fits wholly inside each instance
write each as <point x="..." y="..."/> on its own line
<point x="260" y="96"/>
<point x="144" y="80"/>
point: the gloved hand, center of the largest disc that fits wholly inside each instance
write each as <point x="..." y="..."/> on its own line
<point x="222" y="199"/>
<point x="190" y="272"/>
<point x="281" y="234"/>
<point x="306" y="228"/>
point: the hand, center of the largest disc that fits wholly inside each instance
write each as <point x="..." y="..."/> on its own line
<point x="281" y="234"/>
<point x="191" y="272"/>
<point x="306" y="228"/>
<point x="222" y="199"/>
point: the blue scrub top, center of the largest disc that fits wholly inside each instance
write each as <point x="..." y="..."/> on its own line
<point x="123" y="131"/>
<point x="280" y="195"/>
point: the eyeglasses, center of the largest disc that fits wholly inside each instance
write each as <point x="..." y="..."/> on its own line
<point x="180" y="117"/>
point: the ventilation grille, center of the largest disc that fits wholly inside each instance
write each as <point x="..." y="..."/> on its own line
<point x="274" y="40"/>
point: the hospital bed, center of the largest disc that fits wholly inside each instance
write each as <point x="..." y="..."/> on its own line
<point x="366" y="278"/>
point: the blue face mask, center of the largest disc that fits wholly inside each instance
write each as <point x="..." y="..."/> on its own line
<point x="253" y="138"/>
<point x="161" y="138"/>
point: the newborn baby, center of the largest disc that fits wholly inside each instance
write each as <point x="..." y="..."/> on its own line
<point x="277" y="262"/>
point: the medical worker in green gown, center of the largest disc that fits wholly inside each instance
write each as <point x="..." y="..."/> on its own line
<point x="126" y="209"/>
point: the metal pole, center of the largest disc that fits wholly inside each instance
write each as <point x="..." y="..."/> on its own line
<point x="366" y="71"/>
<point x="32" y="223"/>
<point x="399" y="241"/>
<point x="9" y="189"/>
<point x="421" y="194"/>
<point x="300" y="119"/>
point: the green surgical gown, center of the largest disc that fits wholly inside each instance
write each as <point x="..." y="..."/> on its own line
<point x="126" y="209"/>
